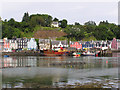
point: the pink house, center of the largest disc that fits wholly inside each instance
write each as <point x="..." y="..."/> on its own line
<point x="76" y="45"/>
<point x="6" y="45"/>
<point x="114" y="44"/>
<point x="118" y="44"/>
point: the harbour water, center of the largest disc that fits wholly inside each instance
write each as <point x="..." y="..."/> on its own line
<point x="59" y="71"/>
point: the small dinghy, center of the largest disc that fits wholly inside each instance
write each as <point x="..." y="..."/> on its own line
<point x="6" y="55"/>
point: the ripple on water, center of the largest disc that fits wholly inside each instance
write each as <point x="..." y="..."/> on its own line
<point x="111" y="83"/>
<point x="19" y="85"/>
<point x="115" y="86"/>
<point x="70" y="83"/>
<point x="106" y="86"/>
<point x="88" y="81"/>
<point x="99" y="80"/>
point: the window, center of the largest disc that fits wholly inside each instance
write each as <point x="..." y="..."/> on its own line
<point x="102" y="45"/>
<point x="106" y="45"/>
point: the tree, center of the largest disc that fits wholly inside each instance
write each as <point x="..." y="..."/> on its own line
<point x="37" y="20"/>
<point x="63" y="23"/>
<point x="11" y="22"/>
<point x="47" y="19"/>
<point x="76" y="23"/>
<point x="55" y="19"/>
<point x="26" y="17"/>
<point x="41" y="19"/>
<point x="100" y="33"/>
<point x="90" y="23"/>
<point x="0" y="19"/>
<point x="110" y="35"/>
<point x="104" y="23"/>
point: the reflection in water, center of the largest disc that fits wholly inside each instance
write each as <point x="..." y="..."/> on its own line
<point x="36" y="71"/>
<point x="116" y="54"/>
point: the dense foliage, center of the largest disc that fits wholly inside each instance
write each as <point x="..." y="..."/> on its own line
<point x="103" y="31"/>
<point x="31" y="23"/>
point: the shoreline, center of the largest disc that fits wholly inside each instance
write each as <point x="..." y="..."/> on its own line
<point x="33" y="53"/>
<point x="23" y="54"/>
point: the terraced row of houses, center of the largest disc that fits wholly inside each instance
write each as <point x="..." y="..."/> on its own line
<point x="9" y="45"/>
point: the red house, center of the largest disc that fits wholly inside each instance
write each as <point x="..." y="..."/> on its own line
<point x="76" y="45"/>
<point x="6" y="45"/>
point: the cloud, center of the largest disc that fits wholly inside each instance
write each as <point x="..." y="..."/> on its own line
<point x="77" y="11"/>
<point x="60" y="0"/>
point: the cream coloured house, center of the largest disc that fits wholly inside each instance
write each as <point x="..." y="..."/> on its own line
<point x="13" y="44"/>
<point x="44" y="44"/>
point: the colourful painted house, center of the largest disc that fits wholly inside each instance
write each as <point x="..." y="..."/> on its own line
<point x="13" y="44"/>
<point x="44" y="44"/>
<point x="114" y="45"/>
<point x="6" y="45"/>
<point x="32" y="44"/>
<point x="22" y="43"/>
<point x="118" y="44"/>
<point x="76" y="45"/>
<point x="58" y="44"/>
<point x="88" y="44"/>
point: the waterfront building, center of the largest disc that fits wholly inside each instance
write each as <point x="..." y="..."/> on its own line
<point x="104" y="45"/>
<point x="58" y="44"/>
<point x="114" y="45"/>
<point x="76" y="45"/>
<point x="118" y="44"/>
<point x="97" y="44"/>
<point x="55" y="24"/>
<point x="22" y="43"/>
<point x="6" y="45"/>
<point x="32" y="44"/>
<point x="44" y="44"/>
<point x="1" y="45"/>
<point x="88" y="44"/>
<point x="13" y="44"/>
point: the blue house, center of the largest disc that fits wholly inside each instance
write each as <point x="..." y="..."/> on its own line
<point x="87" y="45"/>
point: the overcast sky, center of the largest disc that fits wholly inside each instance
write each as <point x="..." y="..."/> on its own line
<point x="72" y="10"/>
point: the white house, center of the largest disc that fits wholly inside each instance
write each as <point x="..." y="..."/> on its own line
<point x="13" y="44"/>
<point x="58" y="44"/>
<point x="55" y="24"/>
<point x="32" y="44"/>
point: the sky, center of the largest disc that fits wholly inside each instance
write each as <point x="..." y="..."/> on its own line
<point x="72" y="10"/>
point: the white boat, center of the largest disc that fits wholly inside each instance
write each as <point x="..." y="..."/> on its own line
<point x="88" y="53"/>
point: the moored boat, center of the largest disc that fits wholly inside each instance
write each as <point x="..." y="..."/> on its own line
<point x="56" y="53"/>
<point x="88" y="53"/>
<point x="6" y="55"/>
<point x="77" y="54"/>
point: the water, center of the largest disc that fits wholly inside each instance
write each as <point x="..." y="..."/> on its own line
<point x="40" y="72"/>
